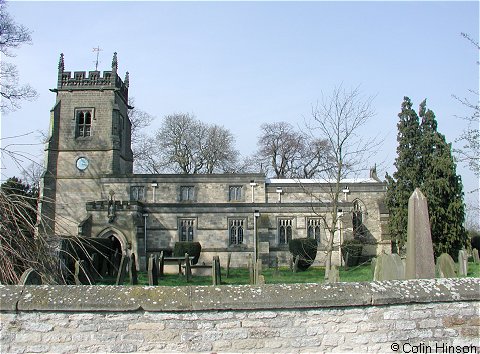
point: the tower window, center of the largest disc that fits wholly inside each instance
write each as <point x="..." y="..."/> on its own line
<point x="84" y="122"/>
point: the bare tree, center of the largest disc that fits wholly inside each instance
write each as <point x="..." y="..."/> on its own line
<point x="470" y="138"/>
<point x="338" y="119"/>
<point x="12" y="36"/>
<point x="140" y="120"/>
<point x="186" y="145"/>
<point x="290" y="153"/>
<point x="219" y="153"/>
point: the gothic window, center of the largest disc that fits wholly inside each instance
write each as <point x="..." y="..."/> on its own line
<point x="137" y="193"/>
<point x="84" y="122"/>
<point x="357" y="219"/>
<point x="284" y="231"/>
<point x="186" y="229"/>
<point x="235" y="193"/>
<point x="236" y="230"/>
<point x="314" y="229"/>
<point x="187" y="193"/>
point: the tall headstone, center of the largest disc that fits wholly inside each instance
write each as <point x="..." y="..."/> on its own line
<point x="216" y="275"/>
<point x="446" y="266"/>
<point x="462" y="263"/>
<point x="122" y="270"/>
<point x="132" y="270"/>
<point x="161" y="265"/>
<point x="251" y="270"/>
<point x="476" y="257"/>
<point x="295" y="264"/>
<point x="276" y="271"/>
<point x="389" y="267"/>
<point x="188" y="269"/>
<point x="81" y="275"/>
<point x="229" y="259"/>
<point x="30" y="277"/>
<point x="420" y="260"/>
<point x="152" y="271"/>
<point x="333" y="275"/>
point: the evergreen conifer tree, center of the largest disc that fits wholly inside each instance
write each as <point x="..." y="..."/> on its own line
<point x="424" y="160"/>
<point x="442" y="187"/>
<point x="407" y="176"/>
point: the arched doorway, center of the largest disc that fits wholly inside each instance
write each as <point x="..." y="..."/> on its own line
<point x="120" y="247"/>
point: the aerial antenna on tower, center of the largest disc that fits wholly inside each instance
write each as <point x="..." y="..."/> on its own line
<point x="98" y="50"/>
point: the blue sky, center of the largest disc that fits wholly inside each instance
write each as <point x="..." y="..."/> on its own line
<point x="240" y="64"/>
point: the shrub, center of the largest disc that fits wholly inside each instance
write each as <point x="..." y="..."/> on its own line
<point x="306" y="249"/>
<point x="354" y="249"/>
<point x="192" y="248"/>
<point x="475" y="242"/>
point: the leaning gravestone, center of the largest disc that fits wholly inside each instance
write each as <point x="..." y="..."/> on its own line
<point x="389" y="267"/>
<point x="476" y="257"/>
<point x="446" y="266"/>
<point x="152" y="271"/>
<point x="30" y="277"/>
<point x="420" y="261"/>
<point x="132" y="271"/>
<point x="462" y="263"/>
<point x="251" y="270"/>
<point x="333" y="275"/>
<point x="122" y="269"/>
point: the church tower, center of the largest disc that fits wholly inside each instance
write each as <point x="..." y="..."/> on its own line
<point x="90" y="137"/>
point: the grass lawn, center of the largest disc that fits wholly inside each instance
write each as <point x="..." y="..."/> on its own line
<point x="240" y="276"/>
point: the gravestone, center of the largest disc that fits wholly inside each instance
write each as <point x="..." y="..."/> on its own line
<point x="446" y="266"/>
<point x="251" y="271"/>
<point x="122" y="270"/>
<point x="295" y="264"/>
<point x="333" y="275"/>
<point x="152" y="271"/>
<point x="216" y="275"/>
<point x="462" y="263"/>
<point x="132" y="270"/>
<point x="476" y="257"/>
<point x="229" y="258"/>
<point x="261" y="280"/>
<point x="81" y="275"/>
<point x="188" y="269"/>
<point x="389" y="267"/>
<point x="161" y="265"/>
<point x="30" y="277"/>
<point x="420" y="260"/>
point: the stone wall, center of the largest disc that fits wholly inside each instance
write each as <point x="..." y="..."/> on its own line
<point x="416" y="316"/>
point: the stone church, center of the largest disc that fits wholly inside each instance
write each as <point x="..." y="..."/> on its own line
<point x="89" y="189"/>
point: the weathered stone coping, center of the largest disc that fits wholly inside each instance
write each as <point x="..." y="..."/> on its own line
<point x="200" y="298"/>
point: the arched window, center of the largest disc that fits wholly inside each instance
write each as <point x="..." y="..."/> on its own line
<point x="285" y="231"/>
<point x="236" y="231"/>
<point x="357" y="219"/>
<point x="187" y="228"/>
<point x="84" y="122"/>
<point x="314" y="229"/>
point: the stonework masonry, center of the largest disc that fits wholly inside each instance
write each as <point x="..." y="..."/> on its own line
<point x="414" y="316"/>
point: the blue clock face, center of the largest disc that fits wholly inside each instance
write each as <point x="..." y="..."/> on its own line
<point x="82" y="163"/>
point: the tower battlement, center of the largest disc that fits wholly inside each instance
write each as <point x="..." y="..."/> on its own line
<point x="94" y="80"/>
